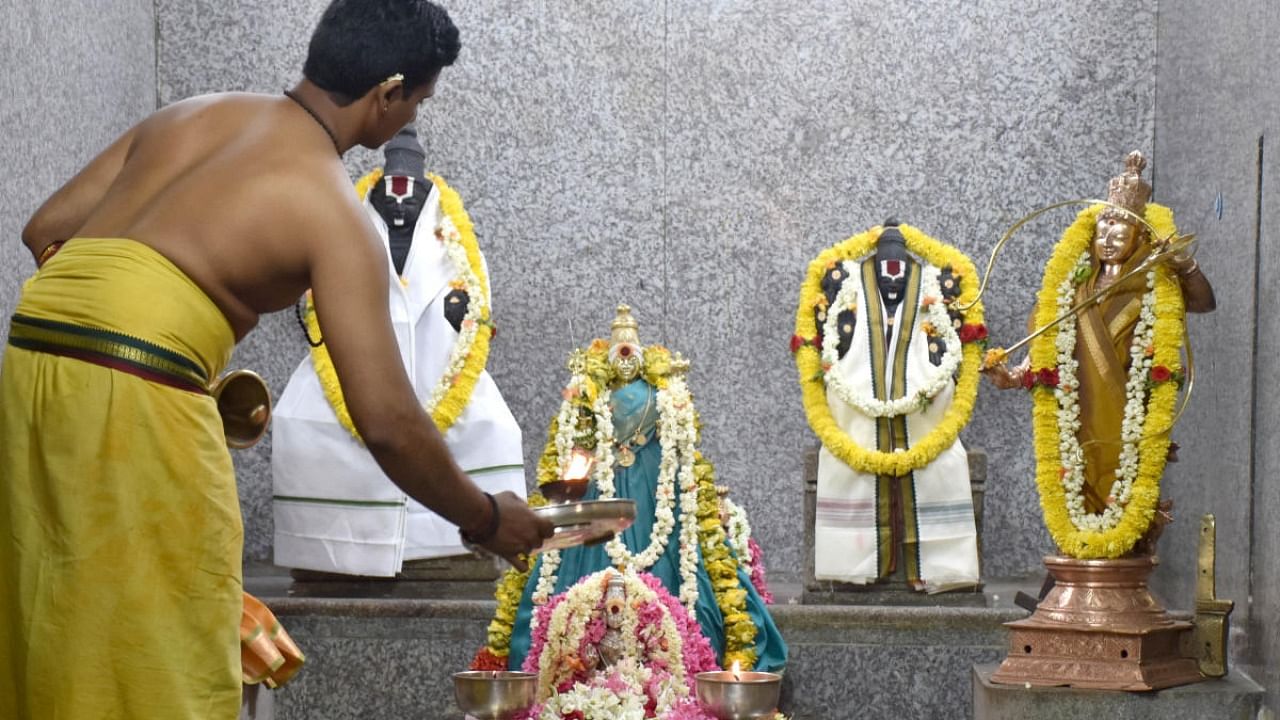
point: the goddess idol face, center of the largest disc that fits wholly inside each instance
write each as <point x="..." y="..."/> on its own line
<point x="1115" y="240"/>
<point x="627" y="360"/>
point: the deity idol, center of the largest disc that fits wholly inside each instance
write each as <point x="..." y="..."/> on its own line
<point x="439" y="299"/>
<point x="617" y="645"/>
<point x="628" y="408"/>
<point x="887" y="343"/>
<point x="1105" y="384"/>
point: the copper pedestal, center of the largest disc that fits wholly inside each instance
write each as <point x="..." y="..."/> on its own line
<point x="1099" y="627"/>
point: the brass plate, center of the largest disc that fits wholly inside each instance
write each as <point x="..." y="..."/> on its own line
<point x="586" y="523"/>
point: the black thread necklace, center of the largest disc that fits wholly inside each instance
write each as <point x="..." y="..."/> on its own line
<point x="302" y="323"/>
<point x="290" y="94"/>
<point x="297" y="309"/>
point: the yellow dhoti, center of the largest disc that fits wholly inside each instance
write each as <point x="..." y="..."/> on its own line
<point x="120" y="534"/>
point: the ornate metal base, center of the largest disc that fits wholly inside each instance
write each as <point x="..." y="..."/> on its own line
<point x="1099" y="627"/>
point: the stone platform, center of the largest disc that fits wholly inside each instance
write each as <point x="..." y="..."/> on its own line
<point x="387" y="650"/>
<point x="1234" y="697"/>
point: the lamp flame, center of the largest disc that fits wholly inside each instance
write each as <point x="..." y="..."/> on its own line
<point x="581" y="461"/>
<point x="737" y="671"/>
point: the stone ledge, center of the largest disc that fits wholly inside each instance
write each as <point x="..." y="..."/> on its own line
<point x="392" y="657"/>
<point x="817" y="624"/>
<point x="1235" y="697"/>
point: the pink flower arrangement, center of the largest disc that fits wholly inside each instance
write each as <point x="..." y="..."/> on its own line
<point x="641" y="682"/>
<point x="698" y="655"/>
<point x="539" y="637"/>
<point x="757" y="572"/>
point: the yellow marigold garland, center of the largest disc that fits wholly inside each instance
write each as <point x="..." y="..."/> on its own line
<point x="455" y="401"/>
<point x="722" y="568"/>
<point x="509" y="589"/>
<point x="1154" y="447"/>
<point x="809" y="357"/>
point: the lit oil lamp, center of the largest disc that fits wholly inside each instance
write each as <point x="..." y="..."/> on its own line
<point x="737" y="694"/>
<point x="578" y="522"/>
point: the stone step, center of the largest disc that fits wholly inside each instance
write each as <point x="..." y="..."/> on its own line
<point x="1234" y="697"/>
<point x="390" y="657"/>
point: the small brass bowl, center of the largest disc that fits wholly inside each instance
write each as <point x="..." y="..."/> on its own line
<point x="746" y="695"/>
<point x="494" y="695"/>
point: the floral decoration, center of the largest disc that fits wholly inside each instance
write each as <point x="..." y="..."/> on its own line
<point x="1155" y="353"/>
<point x="812" y="364"/>
<point x="937" y="322"/>
<point x="664" y="650"/>
<point x="685" y="477"/>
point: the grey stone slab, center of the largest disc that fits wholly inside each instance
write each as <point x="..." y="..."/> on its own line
<point x="792" y="126"/>
<point x="1207" y="157"/>
<point x="74" y="77"/>
<point x="890" y="662"/>
<point x="1263" y="604"/>
<point x="386" y="658"/>
<point x="888" y="625"/>
<point x="216" y="46"/>
<point x="384" y="619"/>
<point x="871" y="682"/>
<point x="348" y="678"/>
<point x="1234" y="697"/>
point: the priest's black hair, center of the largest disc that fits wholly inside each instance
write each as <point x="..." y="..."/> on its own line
<point x="360" y="43"/>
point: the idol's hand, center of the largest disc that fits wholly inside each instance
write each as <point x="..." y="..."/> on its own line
<point x="520" y="531"/>
<point x="1183" y="263"/>
<point x="1004" y="377"/>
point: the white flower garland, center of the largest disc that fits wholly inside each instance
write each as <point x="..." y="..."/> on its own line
<point x="477" y="303"/>
<point x="1135" y="410"/>
<point x="677" y="434"/>
<point x="935" y="313"/>
<point x="597" y="702"/>
<point x="739" y="531"/>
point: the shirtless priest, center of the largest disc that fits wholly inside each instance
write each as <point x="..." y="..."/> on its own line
<point x="153" y="261"/>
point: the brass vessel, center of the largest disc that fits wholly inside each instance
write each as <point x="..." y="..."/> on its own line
<point x="244" y="402"/>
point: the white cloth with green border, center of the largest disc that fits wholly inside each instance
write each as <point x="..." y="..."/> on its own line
<point x="334" y="509"/>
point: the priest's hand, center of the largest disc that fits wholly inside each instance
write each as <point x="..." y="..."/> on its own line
<point x="520" y="531"/>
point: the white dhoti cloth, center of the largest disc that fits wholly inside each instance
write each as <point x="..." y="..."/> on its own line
<point x="856" y="532"/>
<point x="334" y="508"/>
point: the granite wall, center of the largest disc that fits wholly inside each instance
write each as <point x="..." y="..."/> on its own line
<point x="73" y="77"/>
<point x="1218" y="160"/>
<point x="689" y="157"/>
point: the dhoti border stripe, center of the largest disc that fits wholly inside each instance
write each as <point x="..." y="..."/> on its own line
<point x="891" y="433"/>
<point x="884" y="434"/>
<point x="907" y="483"/>
<point x="109" y="349"/>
